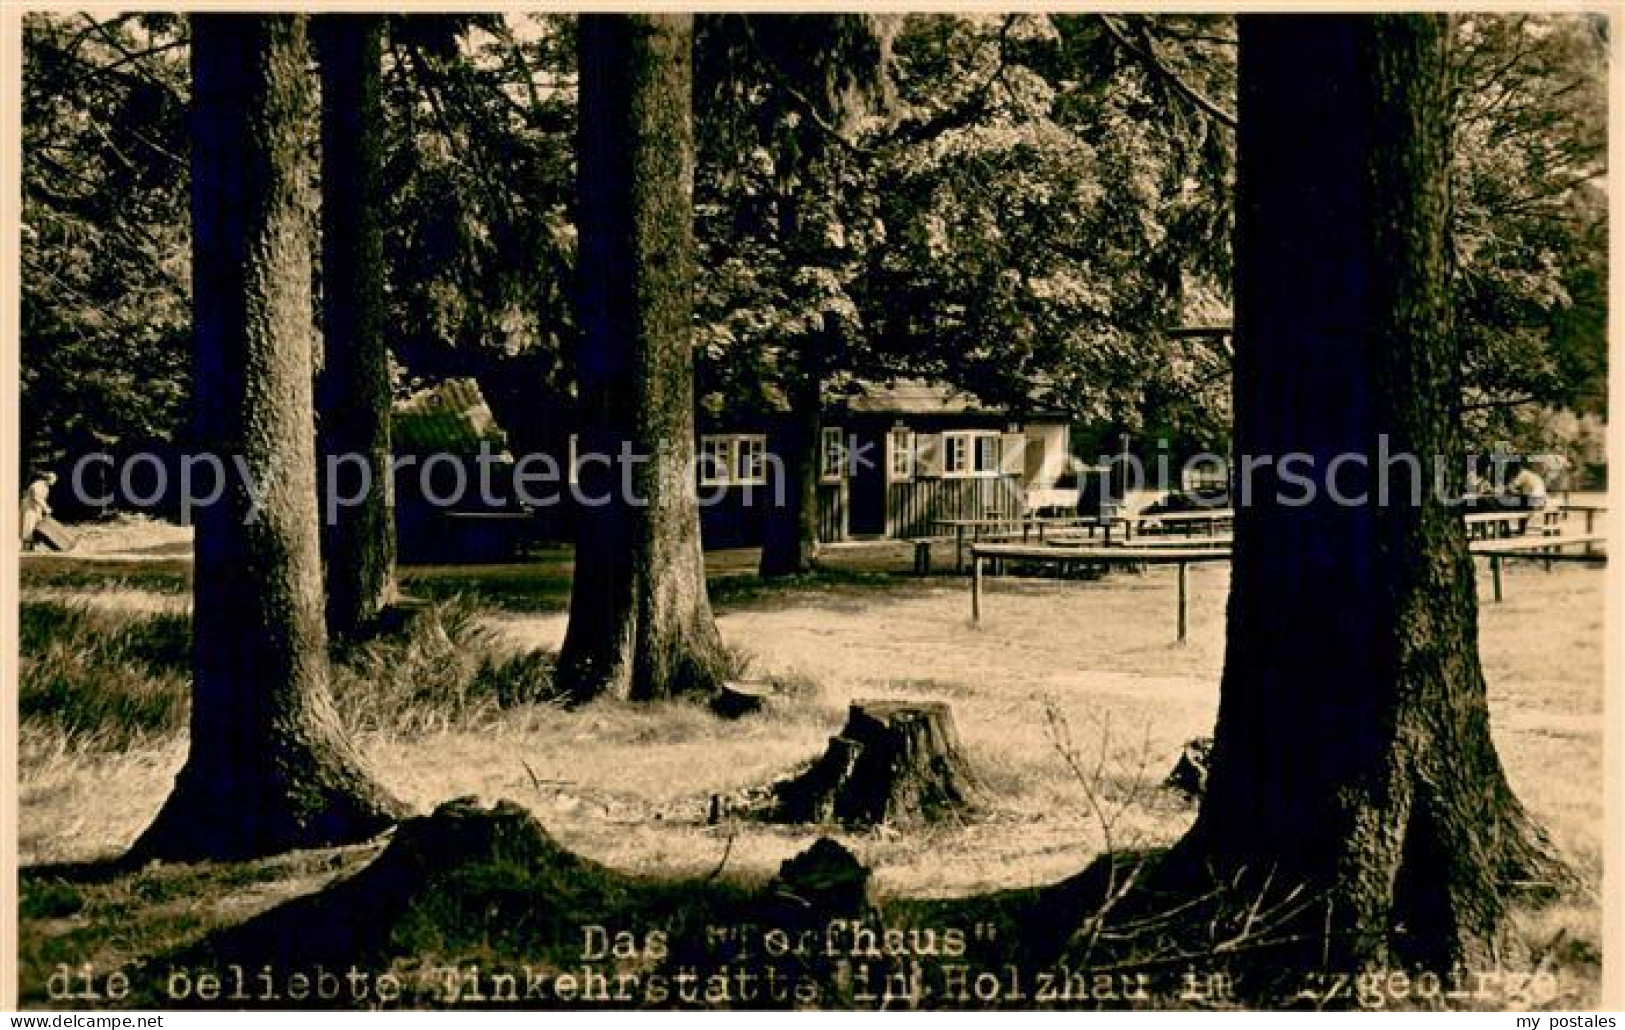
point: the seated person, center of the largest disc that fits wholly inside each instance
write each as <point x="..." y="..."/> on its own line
<point x="1527" y="488"/>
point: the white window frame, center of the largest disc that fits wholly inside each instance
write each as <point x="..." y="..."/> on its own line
<point x="956" y="455"/>
<point x="718" y="461"/>
<point x="899" y="455"/>
<point x="962" y="450"/>
<point x="751" y="447"/>
<point x="995" y="453"/>
<point x="831" y="454"/>
<point x="714" y="463"/>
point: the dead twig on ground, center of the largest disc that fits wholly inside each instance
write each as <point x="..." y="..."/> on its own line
<point x="727" y="849"/>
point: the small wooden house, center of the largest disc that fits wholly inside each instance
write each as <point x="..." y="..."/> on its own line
<point x="447" y="508"/>
<point x="893" y="459"/>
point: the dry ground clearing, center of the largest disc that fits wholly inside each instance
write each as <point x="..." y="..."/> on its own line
<point x="1086" y="667"/>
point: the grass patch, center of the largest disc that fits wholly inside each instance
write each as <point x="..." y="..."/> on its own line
<point x="166" y="576"/>
<point x="50" y="899"/>
<point x="543" y="584"/>
<point x="124" y="919"/>
<point x="539" y="585"/>
<point x="445" y="669"/>
<point x="98" y="679"/>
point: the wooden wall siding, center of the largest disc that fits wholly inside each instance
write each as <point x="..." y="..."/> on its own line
<point x="908" y="508"/>
<point x="832" y="514"/>
<point x="911" y="507"/>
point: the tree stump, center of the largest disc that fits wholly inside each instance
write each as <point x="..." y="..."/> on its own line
<point x="895" y="762"/>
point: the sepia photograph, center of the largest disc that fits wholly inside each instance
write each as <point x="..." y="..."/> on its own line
<point x="855" y="510"/>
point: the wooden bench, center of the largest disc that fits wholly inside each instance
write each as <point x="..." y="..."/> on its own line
<point x="1537" y="547"/>
<point x="1186" y="523"/>
<point x="1119" y="555"/>
<point x="1485" y="525"/>
<point x="1161" y="542"/>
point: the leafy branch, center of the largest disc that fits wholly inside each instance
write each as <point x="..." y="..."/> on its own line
<point x="1145" y="53"/>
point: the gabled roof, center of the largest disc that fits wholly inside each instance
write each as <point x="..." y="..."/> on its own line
<point x="451" y="417"/>
<point x="925" y="397"/>
<point x="916" y="397"/>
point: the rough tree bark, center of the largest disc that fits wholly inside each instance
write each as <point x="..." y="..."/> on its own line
<point x="352" y="387"/>
<point x="790" y="529"/>
<point x="1353" y="750"/>
<point x="640" y="620"/>
<point x="269" y="768"/>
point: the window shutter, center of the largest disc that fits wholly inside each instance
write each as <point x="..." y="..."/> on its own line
<point x="1013" y="455"/>
<point x="928" y="455"/>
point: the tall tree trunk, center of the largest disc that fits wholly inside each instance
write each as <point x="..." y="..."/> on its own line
<point x="640" y="621"/>
<point x="269" y="767"/>
<point x="353" y="388"/>
<point x="838" y="64"/>
<point x="790" y="529"/>
<point x="1353" y="750"/>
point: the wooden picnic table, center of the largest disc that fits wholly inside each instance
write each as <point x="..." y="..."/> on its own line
<point x="1000" y="526"/>
<point x="976" y="526"/>
<point x="1537" y="547"/>
<point x="1119" y="555"/>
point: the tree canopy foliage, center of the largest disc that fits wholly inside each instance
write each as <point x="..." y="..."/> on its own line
<point x="106" y="276"/>
<point x="479" y="172"/>
<point x="1018" y="204"/>
<point x="1015" y="204"/>
<point x="1529" y="225"/>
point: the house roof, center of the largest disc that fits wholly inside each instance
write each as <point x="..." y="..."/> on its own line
<point x="916" y="397"/>
<point x="451" y="417"/>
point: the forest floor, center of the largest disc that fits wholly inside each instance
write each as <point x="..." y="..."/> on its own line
<point x="1067" y="691"/>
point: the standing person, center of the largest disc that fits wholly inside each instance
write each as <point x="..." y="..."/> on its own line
<point x="36" y="506"/>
